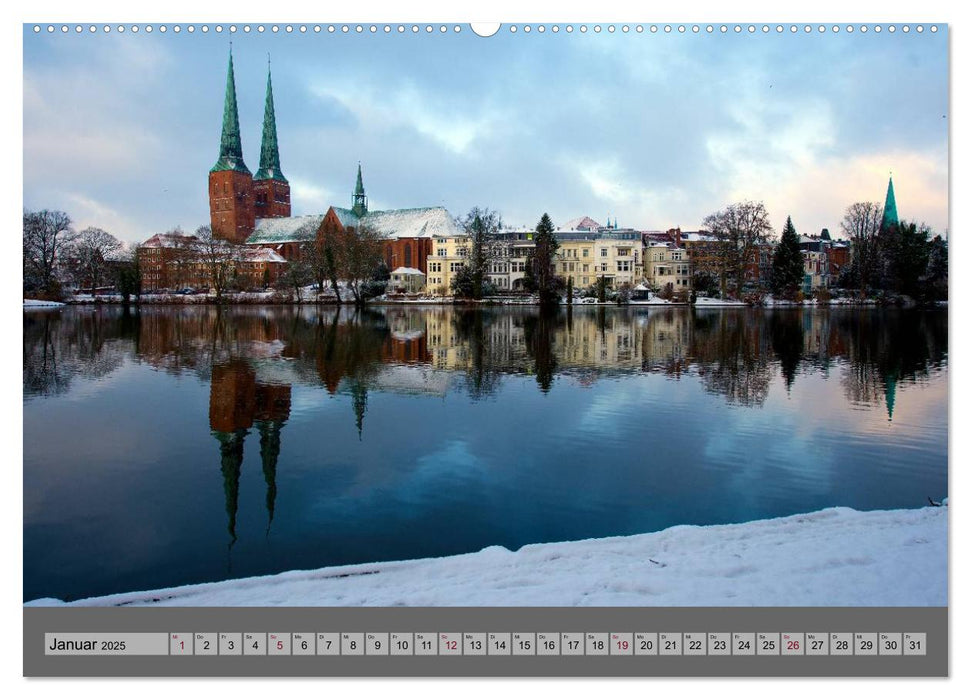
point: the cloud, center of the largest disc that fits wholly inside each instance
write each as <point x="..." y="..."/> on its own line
<point x="87" y="212"/>
<point x="438" y="117"/>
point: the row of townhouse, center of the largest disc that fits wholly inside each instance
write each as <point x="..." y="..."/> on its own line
<point x="585" y="254"/>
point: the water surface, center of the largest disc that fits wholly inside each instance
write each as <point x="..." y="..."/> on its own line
<point x="188" y="444"/>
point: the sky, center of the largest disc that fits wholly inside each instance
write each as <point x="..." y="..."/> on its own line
<point x="653" y="130"/>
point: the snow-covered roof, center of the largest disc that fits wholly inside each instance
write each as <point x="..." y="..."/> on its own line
<point x="287" y="229"/>
<point x="583" y="223"/>
<point x="263" y="255"/>
<point x="169" y="240"/>
<point x="696" y="237"/>
<point x="407" y="271"/>
<point x="423" y="222"/>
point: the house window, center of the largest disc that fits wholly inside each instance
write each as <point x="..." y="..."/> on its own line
<point x="585" y="251"/>
<point x="603" y="252"/>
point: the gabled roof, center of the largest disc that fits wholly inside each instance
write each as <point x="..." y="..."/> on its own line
<point x="169" y="240"/>
<point x="347" y="217"/>
<point x="584" y="223"/>
<point x="423" y="222"/>
<point x="288" y="229"/>
<point x="262" y="255"/>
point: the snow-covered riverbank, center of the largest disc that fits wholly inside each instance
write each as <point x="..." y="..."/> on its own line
<point x="833" y="557"/>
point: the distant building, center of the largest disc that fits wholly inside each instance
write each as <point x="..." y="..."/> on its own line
<point x="173" y="261"/>
<point x="407" y="279"/>
<point x="255" y="210"/>
<point x="666" y="264"/>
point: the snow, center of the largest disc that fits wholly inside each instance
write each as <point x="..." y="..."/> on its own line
<point x="41" y="304"/>
<point x="710" y="301"/>
<point x="583" y="223"/>
<point x="414" y="223"/>
<point x="407" y="271"/>
<point x="832" y="557"/>
<point x="287" y="229"/>
<point x="653" y="301"/>
<point x="263" y="255"/>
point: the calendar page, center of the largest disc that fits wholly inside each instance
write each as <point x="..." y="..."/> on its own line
<point x="514" y="349"/>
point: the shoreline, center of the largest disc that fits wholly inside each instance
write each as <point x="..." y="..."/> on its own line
<point x="172" y="300"/>
<point x="831" y="557"/>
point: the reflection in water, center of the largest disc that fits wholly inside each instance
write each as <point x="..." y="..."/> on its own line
<point x="733" y="352"/>
<point x="255" y="359"/>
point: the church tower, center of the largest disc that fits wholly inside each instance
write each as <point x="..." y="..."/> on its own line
<point x="231" y="210"/>
<point x="270" y="188"/>
<point x="359" y="200"/>
<point x="889" y="209"/>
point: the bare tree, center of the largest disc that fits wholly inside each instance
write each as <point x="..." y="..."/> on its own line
<point x="296" y="276"/>
<point x="363" y="251"/>
<point x="183" y="257"/>
<point x="740" y="228"/>
<point x="322" y="252"/>
<point x="46" y="235"/>
<point x="128" y="275"/>
<point x="219" y="258"/>
<point x="862" y="224"/>
<point x="90" y="253"/>
<point x="481" y="224"/>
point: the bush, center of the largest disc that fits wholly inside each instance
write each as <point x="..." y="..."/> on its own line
<point x="373" y="288"/>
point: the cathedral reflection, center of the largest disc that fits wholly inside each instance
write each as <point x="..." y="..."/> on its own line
<point x="253" y="359"/>
<point x="238" y="402"/>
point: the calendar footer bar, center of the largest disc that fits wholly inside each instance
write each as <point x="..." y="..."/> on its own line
<point x="195" y="642"/>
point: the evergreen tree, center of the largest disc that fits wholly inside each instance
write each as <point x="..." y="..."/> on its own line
<point x="529" y="276"/>
<point x="937" y="269"/>
<point x="787" y="264"/>
<point x="463" y="283"/>
<point x="547" y="285"/>
<point x="904" y="255"/>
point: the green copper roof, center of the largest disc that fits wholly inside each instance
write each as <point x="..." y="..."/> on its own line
<point x="230" y="147"/>
<point x="270" y="151"/>
<point x="889" y="209"/>
<point x="359" y="188"/>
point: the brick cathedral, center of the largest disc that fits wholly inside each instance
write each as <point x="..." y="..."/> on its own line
<point x="255" y="209"/>
<point x="236" y="197"/>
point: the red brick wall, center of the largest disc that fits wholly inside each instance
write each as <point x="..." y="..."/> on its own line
<point x="271" y="199"/>
<point x="408" y="252"/>
<point x="231" y="207"/>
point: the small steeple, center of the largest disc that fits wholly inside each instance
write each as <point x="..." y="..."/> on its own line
<point x="230" y="146"/>
<point x="270" y="150"/>
<point x="889" y="208"/>
<point x="359" y="200"/>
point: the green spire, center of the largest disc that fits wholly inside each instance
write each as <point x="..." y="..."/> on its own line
<point x="359" y="200"/>
<point x="230" y="147"/>
<point x="270" y="151"/>
<point x="889" y="209"/>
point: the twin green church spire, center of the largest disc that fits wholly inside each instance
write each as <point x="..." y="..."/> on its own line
<point x="231" y="146"/>
<point x="270" y="150"/>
